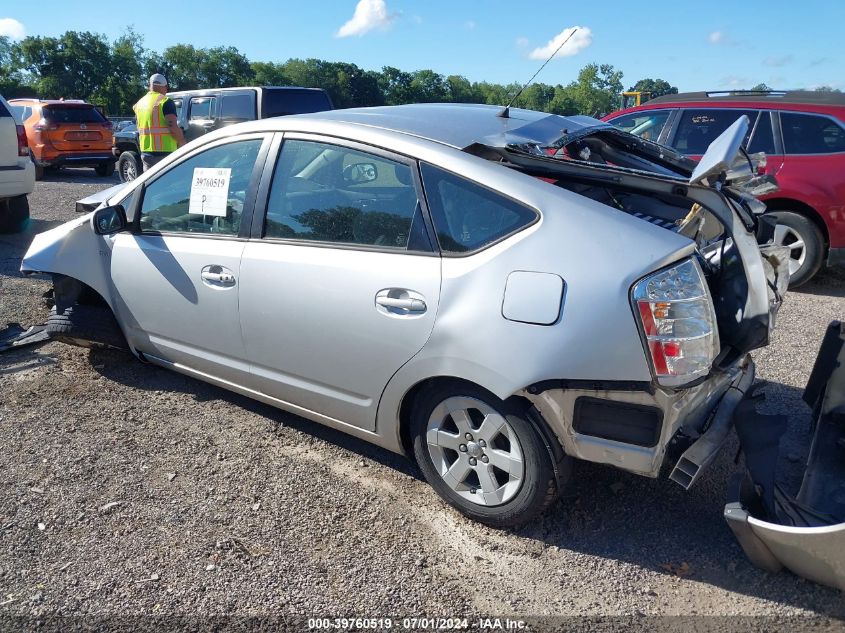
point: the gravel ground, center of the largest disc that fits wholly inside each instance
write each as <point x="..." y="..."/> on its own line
<point x="126" y="489"/>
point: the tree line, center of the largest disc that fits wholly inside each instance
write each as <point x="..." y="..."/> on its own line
<point x="85" y="65"/>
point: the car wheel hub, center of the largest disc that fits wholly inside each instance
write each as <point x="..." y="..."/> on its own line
<point x="789" y="237"/>
<point x="475" y="451"/>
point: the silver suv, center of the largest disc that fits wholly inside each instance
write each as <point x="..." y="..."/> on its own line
<point x="17" y="172"/>
<point x="427" y="278"/>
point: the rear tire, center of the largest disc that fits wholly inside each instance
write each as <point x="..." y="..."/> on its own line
<point x="468" y="473"/>
<point x="14" y="213"/>
<point x="105" y="169"/>
<point x="806" y="244"/>
<point x="86" y="326"/>
<point x="129" y="166"/>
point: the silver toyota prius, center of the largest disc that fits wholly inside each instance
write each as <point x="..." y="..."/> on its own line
<point x="493" y="292"/>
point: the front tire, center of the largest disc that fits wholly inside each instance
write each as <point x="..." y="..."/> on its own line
<point x="805" y="242"/>
<point x="14" y="213"/>
<point x="482" y="455"/>
<point x="86" y="326"/>
<point x="129" y="166"/>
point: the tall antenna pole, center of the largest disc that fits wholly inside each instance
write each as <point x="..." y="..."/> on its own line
<point x="505" y="113"/>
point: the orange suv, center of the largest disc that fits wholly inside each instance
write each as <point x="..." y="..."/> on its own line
<point x="72" y="133"/>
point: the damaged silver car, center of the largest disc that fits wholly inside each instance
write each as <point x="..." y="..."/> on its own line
<point x="427" y="278"/>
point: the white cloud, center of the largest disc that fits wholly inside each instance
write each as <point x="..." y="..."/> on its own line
<point x="11" y="28"/>
<point x="522" y="42"/>
<point x="578" y="42"/>
<point x="369" y="15"/>
<point x="716" y="37"/>
<point x="471" y="25"/>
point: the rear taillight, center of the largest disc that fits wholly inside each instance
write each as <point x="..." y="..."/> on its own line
<point x="44" y="125"/>
<point x="23" y="147"/>
<point x="678" y="323"/>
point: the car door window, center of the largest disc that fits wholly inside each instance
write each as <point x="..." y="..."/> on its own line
<point x="467" y="216"/>
<point x="762" y="138"/>
<point x="646" y="124"/>
<point x="237" y="107"/>
<point x="202" y="108"/>
<point x="203" y="194"/>
<point x="811" y="134"/>
<point x="330" y="193"/>
<point x="698" y="128"/>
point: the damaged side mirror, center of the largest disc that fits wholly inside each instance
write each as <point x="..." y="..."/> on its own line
<point x="109" y="220"/>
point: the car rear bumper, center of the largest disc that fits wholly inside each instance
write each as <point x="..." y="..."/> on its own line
<point x="805" y="533"/>
<point x="634" y="427"/>
<point x="17" y="180"/>
<point x="81" y="159"/>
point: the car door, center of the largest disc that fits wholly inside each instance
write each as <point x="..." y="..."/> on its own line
<point x="340" y="285"/>
<point x="175" y="276"/>
<point x="201" y="119"/>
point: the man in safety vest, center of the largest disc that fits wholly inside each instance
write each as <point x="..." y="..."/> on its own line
<point x="158" y="130"/>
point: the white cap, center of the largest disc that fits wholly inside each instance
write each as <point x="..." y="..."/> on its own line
<point x="158" y="80"/>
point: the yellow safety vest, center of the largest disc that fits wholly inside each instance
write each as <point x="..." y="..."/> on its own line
<point x="153" y="133"/>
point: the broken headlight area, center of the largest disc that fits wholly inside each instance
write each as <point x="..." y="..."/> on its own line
<point x="804" y="533"/>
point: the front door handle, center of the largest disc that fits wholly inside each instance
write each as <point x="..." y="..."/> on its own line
<point x="411" y="305"/>
<point x="399" y="302"/>
<point x="217" y="276"/>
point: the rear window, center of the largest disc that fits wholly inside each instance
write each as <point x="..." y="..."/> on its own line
<point x="72" y="114"/>
<point x="283" y="102"/>
<point x="467" y="216"/>
<point x="811" y="134"/>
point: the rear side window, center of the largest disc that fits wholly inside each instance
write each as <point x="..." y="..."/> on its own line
<point x="21" y="113"/>
<point x="237" y="107"/>
<point x="811" y="134"/>
<point x="72" y="114"/>
<point x="762" y="138"/>
<point x="5" y="112"/>
<point x="698" y="128"/>
<point x="647" y="124"/>
<point x="283" y="102"/>
<point x="467" y="216"/>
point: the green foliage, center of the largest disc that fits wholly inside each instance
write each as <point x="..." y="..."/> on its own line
<point x="85" y="65"/>
<point x="657" y="87"/>
<point x="761" y="87"/>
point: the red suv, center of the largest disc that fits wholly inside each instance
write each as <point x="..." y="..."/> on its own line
<point x="803" y="136"/>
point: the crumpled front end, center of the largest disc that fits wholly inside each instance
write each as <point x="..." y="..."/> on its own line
<point x="804" y="533"/>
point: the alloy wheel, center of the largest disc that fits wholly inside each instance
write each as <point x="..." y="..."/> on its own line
<point x="475" y="451"/>
<point x="787" y="236"/>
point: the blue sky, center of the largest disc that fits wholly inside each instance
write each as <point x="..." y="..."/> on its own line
<point x="693" y="45"/>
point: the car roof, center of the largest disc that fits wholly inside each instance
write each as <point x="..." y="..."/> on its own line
<point x="73" y="102"/>
<point x="459" y="125"/>
<point x="769" y="97"/>
<point x="204" y="91"/>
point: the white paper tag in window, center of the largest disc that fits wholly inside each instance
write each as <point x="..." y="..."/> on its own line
<point x="210" y="191"/>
